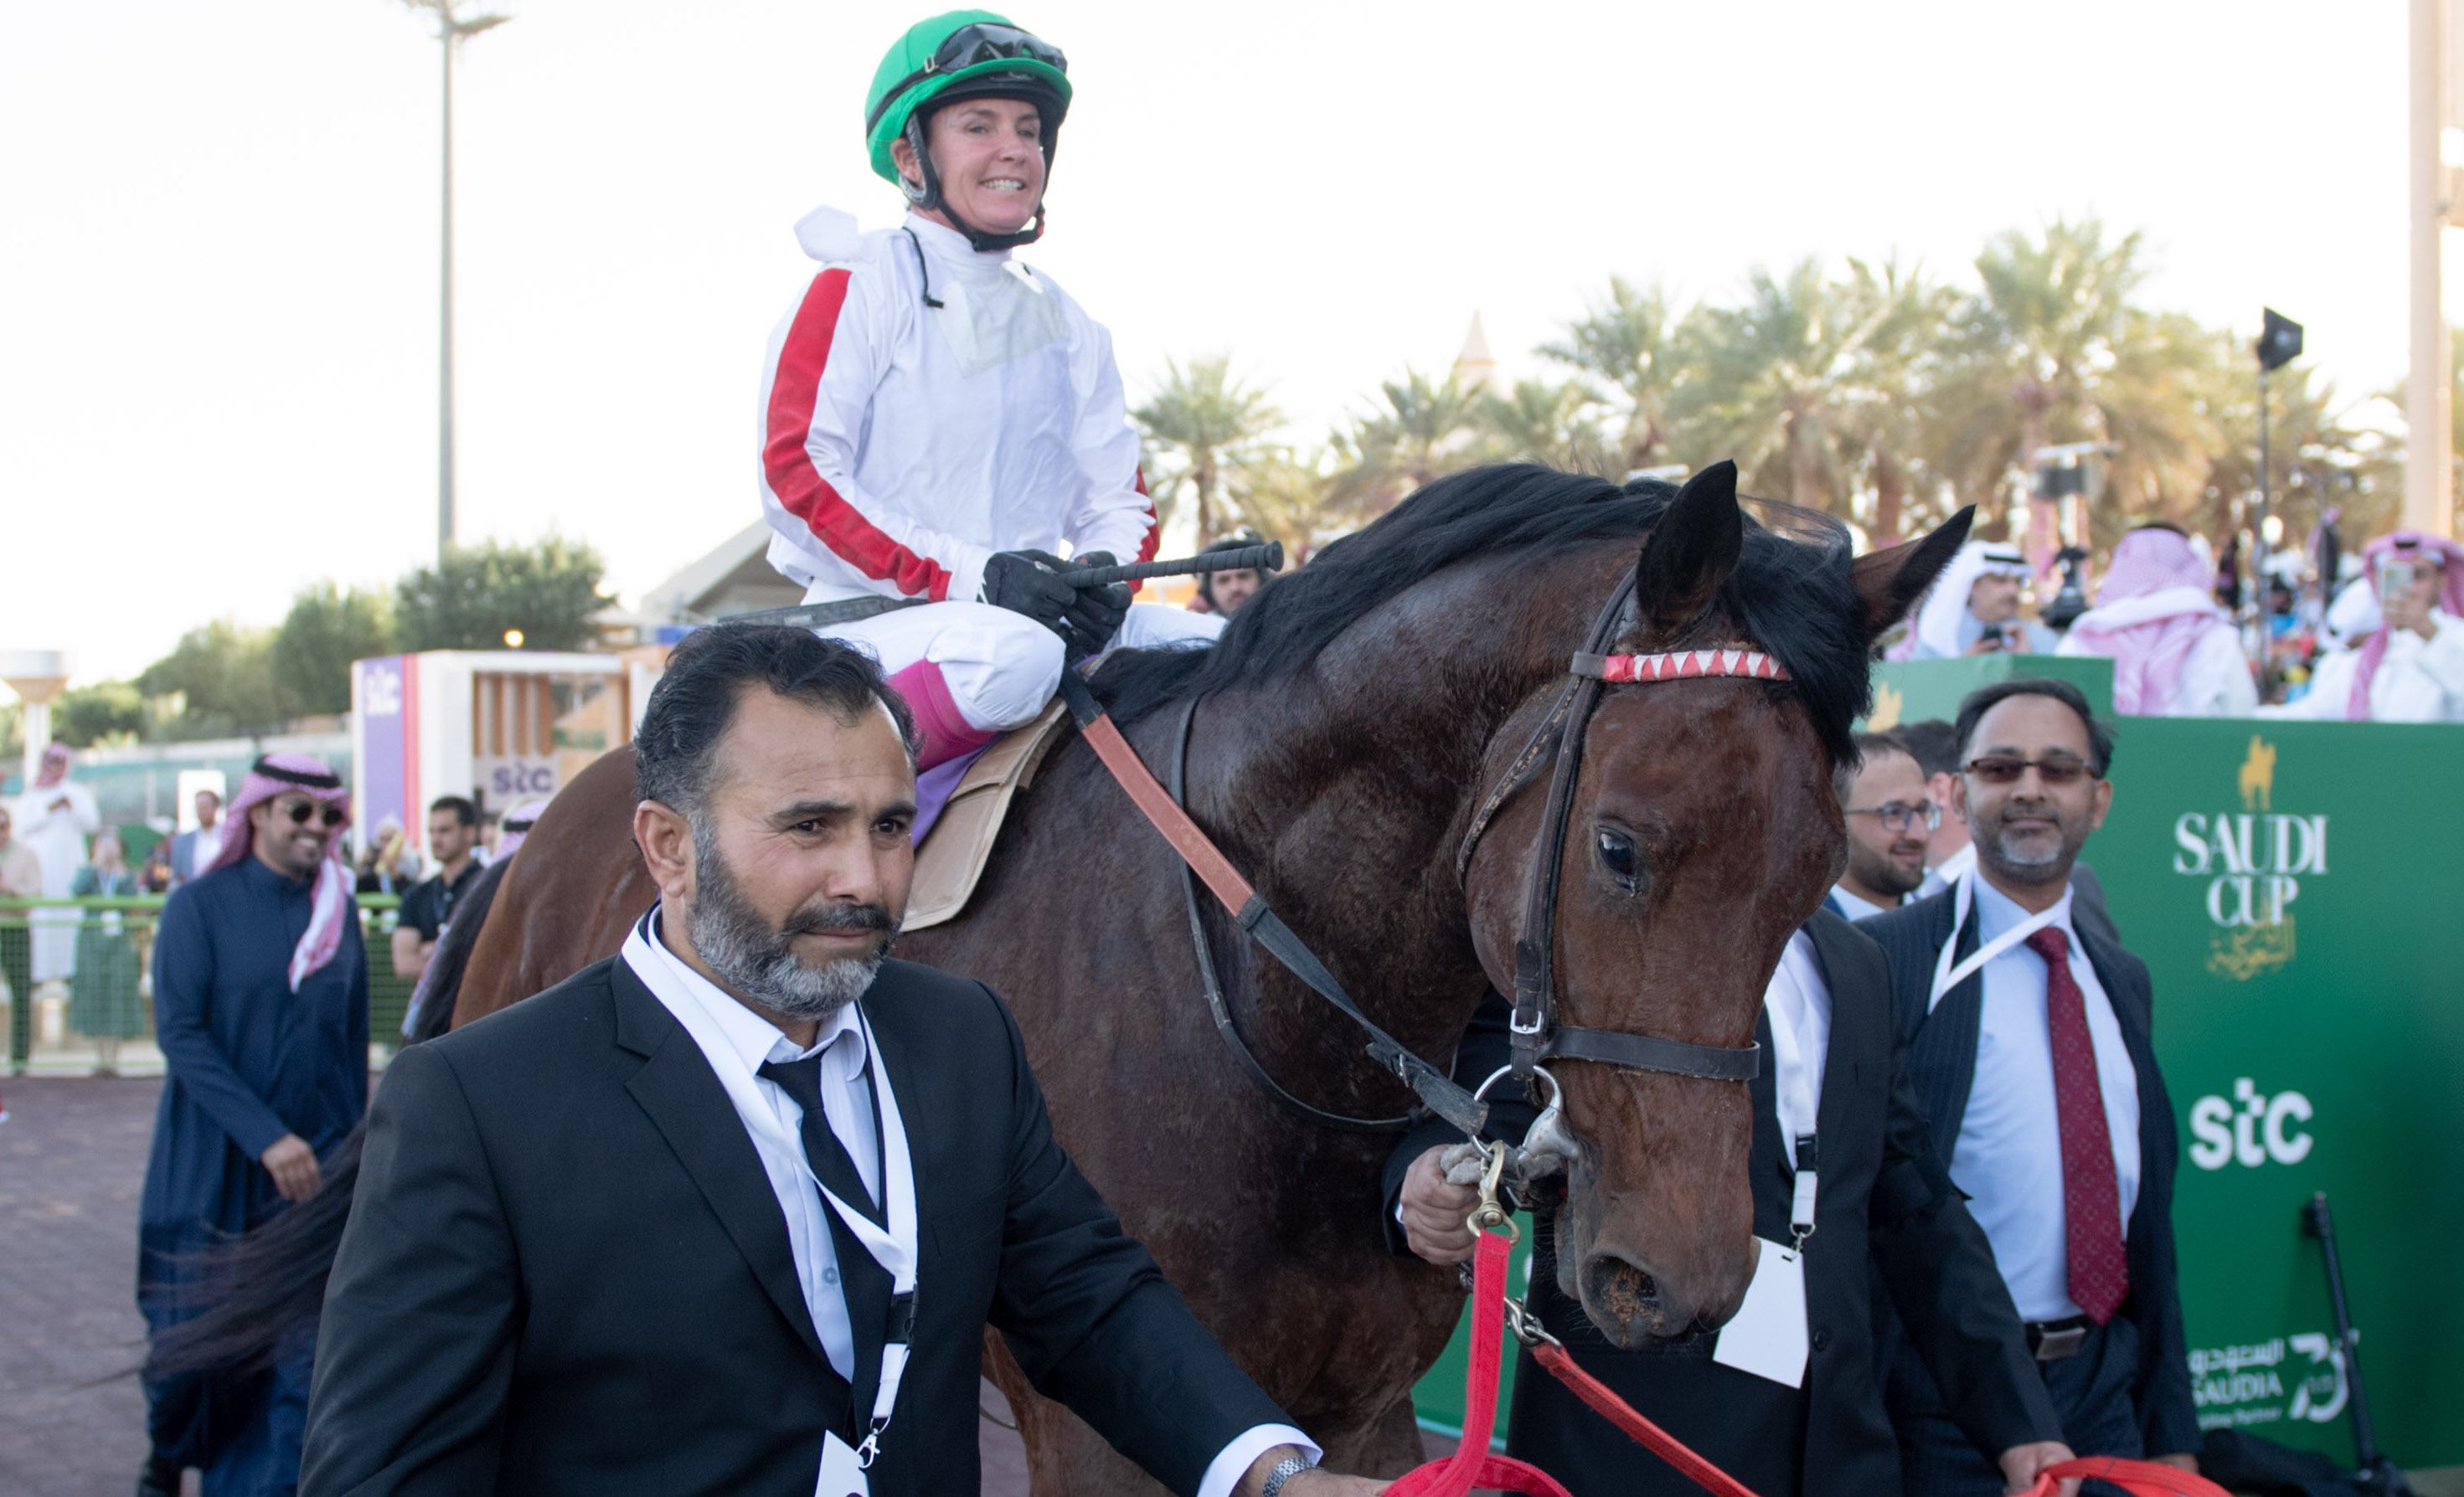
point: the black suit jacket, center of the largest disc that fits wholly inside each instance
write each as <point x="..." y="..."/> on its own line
<point x="1887" y="1215"/>
<point x="565" y="1271"/>
<point x="1941" y="1047"/>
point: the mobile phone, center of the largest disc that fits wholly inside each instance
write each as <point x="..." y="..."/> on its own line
<point x="2395" y="579"/>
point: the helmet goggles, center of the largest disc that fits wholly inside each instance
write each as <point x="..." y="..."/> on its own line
<point x="970" y="46"/>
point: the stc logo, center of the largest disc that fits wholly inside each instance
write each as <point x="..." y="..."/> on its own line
<point x="380" y="691"/>
<point x="2262" y="1128"/>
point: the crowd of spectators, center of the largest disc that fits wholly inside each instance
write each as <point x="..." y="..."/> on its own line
<point x="2367" y="638"/>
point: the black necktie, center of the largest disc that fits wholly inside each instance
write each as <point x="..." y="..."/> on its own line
<point x="802" y="1080"/>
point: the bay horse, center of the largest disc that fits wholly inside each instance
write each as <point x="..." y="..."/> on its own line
<point x="1347" y="727"/>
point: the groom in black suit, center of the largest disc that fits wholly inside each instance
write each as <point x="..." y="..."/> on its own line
<point x="2029" y="1032"/>
<point x="699" y="1221"/>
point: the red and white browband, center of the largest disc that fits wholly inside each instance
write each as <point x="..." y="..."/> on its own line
<point x="1682" y="666"/>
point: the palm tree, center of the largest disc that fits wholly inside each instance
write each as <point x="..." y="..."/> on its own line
<point x="1427" y="428"/>
<point x="1211" y="424"/>
<point x="1538" y="422"/>
<point x="1767" y="382"/>
<point x="2052" y="350"/>
<point x="1287" y="498"/>
<point x="1629" y="341"/>
<point x="1882" y="400"/>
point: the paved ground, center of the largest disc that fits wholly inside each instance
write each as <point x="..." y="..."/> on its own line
<point x="72" y="1160"/>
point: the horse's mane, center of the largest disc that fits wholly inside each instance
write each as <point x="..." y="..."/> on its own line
<point x="1790" y="593"/>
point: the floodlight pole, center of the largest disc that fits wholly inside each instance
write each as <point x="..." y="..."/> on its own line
<point x="445" y="309"/>
<point x="2428" y="478"/>
<point x="450" y="30"/>
<point x="2258" y="527"/>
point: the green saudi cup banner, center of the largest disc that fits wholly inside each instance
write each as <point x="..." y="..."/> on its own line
<point x="2297" y="890"/>
<point x="2294" y="890"/>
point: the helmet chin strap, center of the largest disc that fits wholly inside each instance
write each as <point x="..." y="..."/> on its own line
<point x="929" y="198"/>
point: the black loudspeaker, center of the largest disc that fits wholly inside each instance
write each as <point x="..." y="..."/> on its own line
<point x="2280" y="340"/>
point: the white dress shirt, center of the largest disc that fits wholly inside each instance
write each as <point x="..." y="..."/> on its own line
<point x="1797" y="999"/>
<point x="1942" y="874"/>
<point x="2009" y="1154"/>
<point x="1856" y="906"/>
<point x="847" y="1097"/>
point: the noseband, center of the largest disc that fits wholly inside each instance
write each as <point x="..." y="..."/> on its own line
<point x="1535" y="1034"/>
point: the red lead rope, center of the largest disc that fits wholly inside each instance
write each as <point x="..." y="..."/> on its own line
<point x="1473" y="1466"/>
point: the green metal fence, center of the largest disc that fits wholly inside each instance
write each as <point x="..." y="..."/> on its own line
<point x="100" y="1016"/>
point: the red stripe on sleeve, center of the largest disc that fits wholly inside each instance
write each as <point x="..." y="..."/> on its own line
<point x="800" y="487"/>
<point x="1155" y="532"/>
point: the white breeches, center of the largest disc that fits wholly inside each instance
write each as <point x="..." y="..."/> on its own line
<point x="1002" y="668"/>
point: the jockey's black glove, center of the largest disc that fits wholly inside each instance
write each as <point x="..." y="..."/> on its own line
<point x="1030" y="582"/>
<point x="1095" y="614"/>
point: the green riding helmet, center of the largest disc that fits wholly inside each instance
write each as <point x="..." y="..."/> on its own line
<point x="961" y="54"/>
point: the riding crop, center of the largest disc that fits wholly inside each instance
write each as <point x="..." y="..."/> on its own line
<point x="1268" y="557"/>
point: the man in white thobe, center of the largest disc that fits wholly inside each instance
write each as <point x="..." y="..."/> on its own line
<point x="54" y="816"/>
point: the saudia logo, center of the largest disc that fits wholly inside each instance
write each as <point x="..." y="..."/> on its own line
<point x="2261" y="1385"/>
<point x="2254" y="862"/>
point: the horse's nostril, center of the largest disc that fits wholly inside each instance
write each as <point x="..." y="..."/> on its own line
<point x="1624" y="1290"/>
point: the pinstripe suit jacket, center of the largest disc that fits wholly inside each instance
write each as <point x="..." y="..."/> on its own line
<point x="1942" y="1049"/>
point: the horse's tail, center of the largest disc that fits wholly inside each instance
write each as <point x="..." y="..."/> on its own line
<point x="261" y="1293"/>
<point x="442" y="983"/>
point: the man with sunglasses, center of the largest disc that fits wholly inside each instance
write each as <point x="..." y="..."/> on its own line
<point x="261" y="1009"/>
<point x="1890" y="815"/>
<point x="2031" y="1052"/>
<point x="938" y="421"/>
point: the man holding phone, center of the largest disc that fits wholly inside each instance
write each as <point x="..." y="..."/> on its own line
<point x="2410" y="670"/>
<point x="1974" y="609"/>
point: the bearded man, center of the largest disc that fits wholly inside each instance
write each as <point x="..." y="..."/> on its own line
<point x="2029" y="1043"/>
<point x="1891" y="814"/>
<point x="729" y="1212"/>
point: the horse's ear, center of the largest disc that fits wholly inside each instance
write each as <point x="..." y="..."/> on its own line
<point x="1891" y="581"/>
<point x="1692" y="549"/>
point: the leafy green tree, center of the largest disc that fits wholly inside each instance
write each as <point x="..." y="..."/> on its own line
<point x="1207" y="424"/>
<point x="223" y="678"/>
<point x="1628" y="341"/>
<point x="106" y="712"/>
<point x="328" y="627"/>
<point x="548" y="591"/>
<point x="1425" y="429"/>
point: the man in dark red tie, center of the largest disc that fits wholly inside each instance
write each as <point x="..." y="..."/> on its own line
<point x="2030" y="1050"/>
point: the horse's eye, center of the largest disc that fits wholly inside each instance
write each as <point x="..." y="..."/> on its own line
<point x="1616" y="855"/>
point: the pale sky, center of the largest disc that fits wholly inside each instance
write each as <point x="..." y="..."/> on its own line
<point x="218" y="229"/>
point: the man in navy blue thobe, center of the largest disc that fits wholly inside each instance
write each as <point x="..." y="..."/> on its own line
<point x="261" y="1009"/>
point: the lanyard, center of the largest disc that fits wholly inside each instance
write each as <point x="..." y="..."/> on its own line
<point x="893" y="1249"/>
<point x="1947" y="976"/>
<point x="1793" y="1068"/>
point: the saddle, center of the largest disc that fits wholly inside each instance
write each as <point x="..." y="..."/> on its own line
<point x="954" y="851"/>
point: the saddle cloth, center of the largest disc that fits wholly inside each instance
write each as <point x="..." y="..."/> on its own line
<point x="960" y="843"/>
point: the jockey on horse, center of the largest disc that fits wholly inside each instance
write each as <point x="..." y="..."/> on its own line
<point x="939" y="419"/>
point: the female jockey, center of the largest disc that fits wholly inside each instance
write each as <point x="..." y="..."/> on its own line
<point x="938" y="419"/>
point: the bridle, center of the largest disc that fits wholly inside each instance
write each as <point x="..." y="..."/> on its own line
<point x="1536" y="1036"/>
<point x="1535" y="1033"/>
